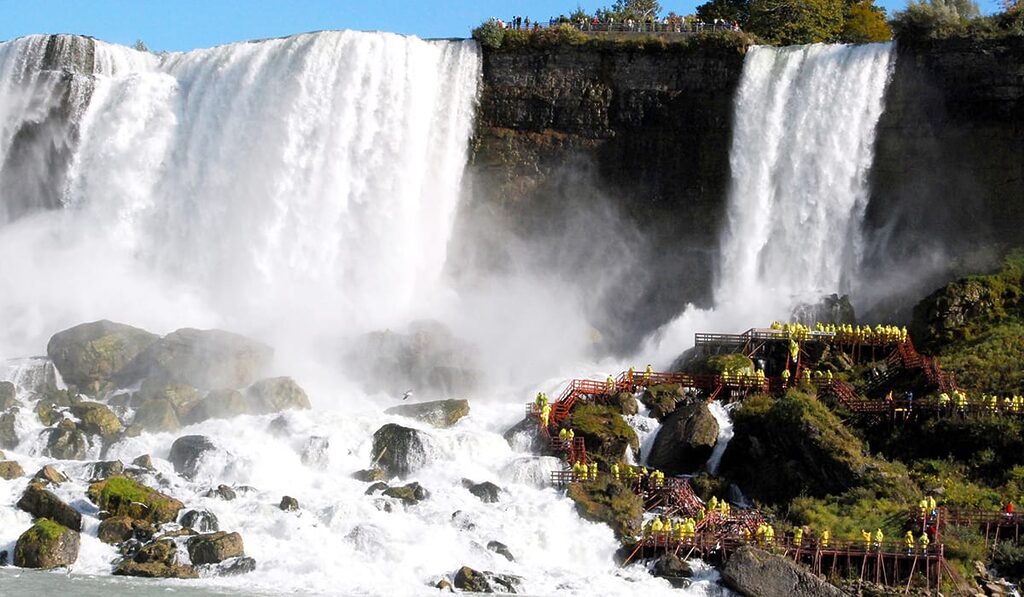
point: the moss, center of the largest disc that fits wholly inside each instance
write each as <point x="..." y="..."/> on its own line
<point x="121" y="496"/>
<point x="48" y="530"/>
<point x="606" y="433"/>
<point x="610" y="502"/>
<point x="491" y="37"/>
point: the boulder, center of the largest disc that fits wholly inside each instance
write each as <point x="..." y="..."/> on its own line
<point x="182" y="398"/>
<point x="525" y="436"/>
<point x="215" y="547"/>
<point x="399" y="450"/>
<point x="626" y="403"/>
<point x="439" y="413"/>
<point x="501" y="549"/>
<point x="218" y="404"/>
<point x="156" y="415"/>
<point x="47" y="414"/>
<point x="109" y="468"/>
<point x="115" y="530"/>
<point x="50" y="474"/>
<point x="10" y="469"/>
<point x="235" y="566"/>
<point x="145" y="461"/>
<point x="66" y="442"/>
<point x="756" y="573"/>
<point x="121" y="496"/>
<point x="487" y="492"/>
<point x="8" y="395"/>
<point x="662" y="399"/>
<point x="444" y="585"/>
<point x="467" y="579"/>
<point x="8" y="436"/>
<point x="605" y="432"/>
<point x="609" y="502"/>
<point x="369" y="475"/>
<point x="275" y="395"/>
<point x="223" y="492"/>
<point x="200" y="520"/>
<point x="97" y="419"/>
<point x="375" y="487"/>
<point x="157" y="559"/>
<point x="46" y="545"/>
<point x="88" y="355"/>
<point x="41" y="503"/>
<point x="410" y="494"/>
<point x="187" y="453"/>
<point x="315" y="452"/>
<point x="673" y="569"/>
<point x="686" y="439"/>
<point x="204" y="359"/>
<point x="288" y="504"/>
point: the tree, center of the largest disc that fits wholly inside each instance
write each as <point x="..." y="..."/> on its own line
<point x="935" y="18"/>
<point x="635" y="9"/>
<point x="141" y="46"/>
<point x="796" y="21"/>
<point x="730" y="10"/>
<point x="865" y="22"/>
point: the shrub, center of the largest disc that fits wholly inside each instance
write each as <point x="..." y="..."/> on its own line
<point x="490" y="34"/>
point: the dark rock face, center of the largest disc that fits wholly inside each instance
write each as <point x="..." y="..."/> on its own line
<point x="236" y="566"/>
<point x="487" y="492"/>
<point x="525" y="435"/>
<point x="410" y="494"/>
<point x="115" y="530"/>
<point x="685" y="440"/>
<point x="66" y="442"/>
<point x="41" y="503"/>
<point x="88" y="355"/>
<point x="662" y="399"/>
<point x="215" y="547"/>
<point x="501" y="549"/>
<point x="204" y="359"/>
<point x="8" y="395"/>
<point x="155" y="560"/>
<point x="200" y="520"/>
<point x="400" y="450"/>
<point x="46" y="545"/>
<point x="673" y="569"/>
<point x="223" y="492"/>
<point x="369" y="475"/>
<point x="756" y="573"/>
<point x="439" y="413"/>
<point x="470" y="580"/>
<point x="187" y="452"/>
<point x="289" y="504"/>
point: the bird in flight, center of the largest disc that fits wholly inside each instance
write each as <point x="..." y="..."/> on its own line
<point x="406" y="395"/>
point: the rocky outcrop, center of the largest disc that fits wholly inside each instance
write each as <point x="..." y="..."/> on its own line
<point x="8" y="395"/>
<point x="66" y="442"/>
<point x="605" y="432"/>
<point x="410" y="494"/>
<point x="275" y="395"/>
<point x="97" y="419"/>
<point x="115" y="530"/>
<point x="157" y="559"/>
<point x="187" y="452"/>
<point x="200" y="520"/>
<point x="215" y="547"/>
<point x="673" y="569"/>
<point x="41" y="503"/>
<point x="289" y="504"/>
<point x="121" y="496"/>
<point x="662" y="399"/>
<point x="756" y="573"/>
<point x="204" y="359"/>
<point x="49" y="474"/>
<point x="399" y="450"/>
<point x="439" y="413"/>
<point x="609" y="502"/>
<point x="685" y="440"/>
<point x="10" y="469"/>
<point x="8" y="435"/>
<point x="106" y="469"/>
<point x="218" y="404"/>
<point x="501" y="549"/>
<point x="473" y="581"/>
<point x="46" y="545"/>
<point x="487" y="492"/>
<point x="155" y="416"/>
<point x="525" y="436"/>
<point x="88" y="355"/>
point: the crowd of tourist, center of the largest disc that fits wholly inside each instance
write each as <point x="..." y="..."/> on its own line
<point x="648" y="24"/>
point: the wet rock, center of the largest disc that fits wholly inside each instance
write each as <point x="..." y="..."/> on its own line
<point x="289" y="504"/>
<point x="235" y="566"/>
<point x="673" y="569"/>
<point x="756" y="573"/>
<point x="215" y="547"/>
<point x="275" y="395"/>
<point x="10" y="469"/>
<point x="187" y="453"/>
<point x="88" y="355"/>
<point x="444" y="585"/>
<point x="525" y="436"/>
<point x="223" y="492"/>
<point x="504" y="583"/>
<point x="410" y="494"/>
<point x="685" y="440"/>
<point x="218" y="404"/>
<point x="378" y="486"/>
<point x="200" y="520"/>
<point x="467" y="579"/>
<point x="399" y="450"/>
<point x="50" y="474"/>
<point x="662" y="399"/>
<point x="487" y="492"/>
<point x="605" y="432"/>
<point x="46" y="544"/>
<point x="97" y="419"/>
<point x="8" y="436"/>
<point x="121" y="496"/>
<point x="103" y="470"/>
<point x="439" y="413"/>
<point x="501" y="549"/>
<point x="609" y="502"/>
<point x="156" y="559"/>
<point x="626" y="403"/>
<point x="156" y="416"/>
<point x="66" y="442"/>
<point x="204" y="359"/>
<point x="315" y="452"/>
<point x="47" y="413"/>
<point x="41" y="503"/>
<point x="115" y="530"/>
<point x="182" y="398"/>
<point x="145" y="461"/>
<point x="8" y="395"/>
<point x="3" y="557"/>
<point x="370" y="475"/>
<point x="279" y="427"/>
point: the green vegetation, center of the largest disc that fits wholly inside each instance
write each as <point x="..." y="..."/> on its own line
<point x="493" y="37"/>
<point x="785" y="22"/>
<point x="609" y="502"/>
<point x="606" y="433"/>
<point x="939" y="19"/>
<point x="121" y="496"/>
<point x="47" y="530"/>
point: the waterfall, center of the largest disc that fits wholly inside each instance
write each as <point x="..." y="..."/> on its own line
<point x="722" y="415"/>
<point x="802" y="148"/>
<point x="314" y="178"/>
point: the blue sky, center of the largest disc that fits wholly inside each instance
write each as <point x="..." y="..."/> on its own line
<point x="187" y="24"/>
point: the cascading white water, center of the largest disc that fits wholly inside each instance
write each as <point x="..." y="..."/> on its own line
<point x="802" y="148"/>
<point x="722" y="415"/>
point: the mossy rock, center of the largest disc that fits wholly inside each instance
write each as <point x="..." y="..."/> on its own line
<point x="605" y="432"/>
<point x="10" y="469"/>
<point x="66" y="442"/>
<point x="214" y="548"/>
<point x="275" y="395"/>
<point x="97" y="419"/>
<point x="610" y="502"/>
<point x="41" y="503"/>
<point x="88" y="355"/>
<point x="115" y="530"/>
<point x="439" y="413"/>
<point x="662" y="399"/>
<point x="121" y="496"/>
<point x="156" y="559"/>
<point x="157" y="415"/>
<point x="46" y="545"/>
<point x="8" y="395"/>
<point x="410" y="494"/>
